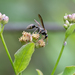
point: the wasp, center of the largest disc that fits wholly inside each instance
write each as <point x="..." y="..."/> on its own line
<point x="41" y="30"/>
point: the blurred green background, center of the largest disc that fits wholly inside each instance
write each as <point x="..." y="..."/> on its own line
<point x="25" y="11"/>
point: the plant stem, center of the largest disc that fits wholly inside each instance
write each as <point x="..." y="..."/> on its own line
<point x="2" y="29"/>
<point x="58" y="57"/>
<point x="7" y="51"/>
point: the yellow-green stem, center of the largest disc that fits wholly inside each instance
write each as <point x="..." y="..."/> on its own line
<point x="58" y="58"/>
<point x="7" y="51"/>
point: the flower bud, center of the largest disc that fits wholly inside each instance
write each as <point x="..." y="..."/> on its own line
<point x="26" y="37"/>
<point x="65" y="43"/>
<point x="71" y="24"/>
<point x="65" y="18"/>
<point x="66" y="26"/>
<point x="73" y="17"/>
<point x="5" y="19"/>
<point x="21" y="39"/>
<point x="67" y="22"/>
<point x="40" y="43"/>
<point x="0" y="17"/>
<point x="3" y="15"/>
<point x="35" y="37"/>
<point x="69" y="17"/>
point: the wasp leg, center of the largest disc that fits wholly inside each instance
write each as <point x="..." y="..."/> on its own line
<point x="47" y="40"/>
<point x="39" y="31"/>
<point x="35" y="31"/>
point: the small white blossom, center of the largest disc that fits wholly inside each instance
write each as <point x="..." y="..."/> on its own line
<point x="5" y="19"/>
<point x="67" y="22"/>
<point x="65" y="17"/>
<point x="65" y="43"/>
<point x="69" y="17"/>
<point x="73" y="17"/>
<point x="65" y="26"/>
<point x="0" y="17"/>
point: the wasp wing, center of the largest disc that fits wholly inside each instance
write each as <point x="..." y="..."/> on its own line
<point x="41" y="20"/>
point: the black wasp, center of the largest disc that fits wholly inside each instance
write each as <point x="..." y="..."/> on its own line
<point x="41" y="30"/>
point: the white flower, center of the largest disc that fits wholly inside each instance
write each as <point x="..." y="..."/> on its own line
<point x="0" y="17"/>
<point x="5" y="19"/>
<point x="65" y="17"/>
<point x="73" y="17"/>
<point x="67" y="22"/>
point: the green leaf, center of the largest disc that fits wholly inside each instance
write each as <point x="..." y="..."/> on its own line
<point x="0" y="27"/>
<point x="70" y="30"/>
<point x="69" y="71"/>
<point x="60" y="73"/>
<point x="23" y="57"/>
<point x="39" y="72"/>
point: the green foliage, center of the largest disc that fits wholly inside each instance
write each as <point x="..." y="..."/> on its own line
<point x="69" y="71"/>
<point x="23" y="57"/>
<point x="39" y="72"/>
<point x="0" y="28"/>
<point x="60" y="73"/>
<point x="70" y="30"/>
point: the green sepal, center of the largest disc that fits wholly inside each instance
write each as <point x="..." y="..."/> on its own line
<point x="69" y="31"/>
<point x="70" y="70"/>
<point x="39" y="72"/>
